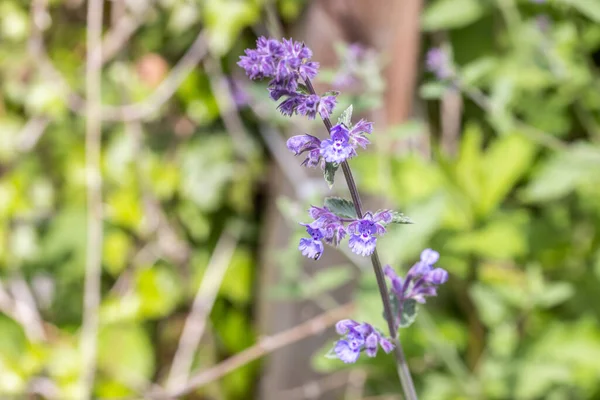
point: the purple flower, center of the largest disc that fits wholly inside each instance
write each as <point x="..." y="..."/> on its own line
<point x="309" y="106"/>
<point x="313" y="247"/>
<point x="326" y="226"/>
<point x="326" y="106"/>
<point x="421" y="281"/>
<point x="357" y="133"/>
<point x="290" y="105"/>
<point x="438" y="62"/>
<point x="306" y="143"/>
<point x="358" y="337"/>
<point x="330" y="223"/>
<point x="285" y="62"/>
<point x="362" y="240"/>
<point x="337" y="148"/>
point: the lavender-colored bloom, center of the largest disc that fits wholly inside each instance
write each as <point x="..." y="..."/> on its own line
<point x="326" y="106"/>
<point x="309" y="106"/>
<point x="358" y="337"/>
<point x="285" y="62"/>
<point x="421" y="281"/>
<point x="332" y="225"/>
<point x="425" y="264"/>
<point x="437" y="276"/>
<point x="326" y="227"/>
<point x="347" y="352"/>
<point x="301" y="143"/>
<point x="313" y="159"/>
<point x="386" y="345"/>
<point x="357" y="133"/>
<point x="362" y="240"/>
<point x="290" y="105"/>
<point x="313" y="247"/>
<point x="363" y="244"/>
<point x="438" y="62"/>
<point x="371" y="343"/>
<point x="337" y="149"/>
<point x="343" y="326"/>
<point x="308" y="70"/>
<point x="306" y="143"/>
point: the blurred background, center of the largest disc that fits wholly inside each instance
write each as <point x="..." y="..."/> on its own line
<point x="149" y="208"/>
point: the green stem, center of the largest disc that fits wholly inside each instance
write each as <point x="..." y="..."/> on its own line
<point x="403" y="372"/>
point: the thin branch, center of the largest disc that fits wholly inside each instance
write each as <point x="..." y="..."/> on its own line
<point x="26" y="308"/>
<point x="116" y="38"/>
<point x="31" y="133"/>
<point x="316" y="388"/>
<point x="201" y="308"/>
<point x="21" y="314"/>
<point x="93" y="266"/>
<point x="265" y="346"/>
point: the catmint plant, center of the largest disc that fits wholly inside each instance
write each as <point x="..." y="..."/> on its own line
<point x="289" y="67"/>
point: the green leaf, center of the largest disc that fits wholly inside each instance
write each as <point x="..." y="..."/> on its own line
<point x="341" y="207"/>
<point x="502" y="173"/>
<point x="329" y="173"/>
<point x="432" y="90"/>
<point x="589" y="8"/>
<point x="448" y="14"/>
<point x="332" y="93"/>
<point x="399" y="218"/>
<point x="555" y="294"/>
<point x="125" y="352"/>
<point x="409" y="313"/>
<point x="326" y="280"/>
<point x="346" y="117"/>
<point x="564" y="172"/>
<point x="490" y="307"/>
<point x="302" y="88"/>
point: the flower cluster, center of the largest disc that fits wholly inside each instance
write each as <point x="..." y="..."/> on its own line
<point x="437" y="61"/>
<point x="329" y="227"/>
<point x="286" y="63"/>
<point x="421" y="281"/>
<point x="340" y="146"/>
<point x="359" y="70"/>
<point x="358" y="337"/>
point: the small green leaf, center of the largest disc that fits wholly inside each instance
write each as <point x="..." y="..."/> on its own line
<point x="341" y="207"/>
<point x="346" y="117"/>
<point x="589" y="8"/>
<point x="450" y="14"/>
<point x="331" y="355"/>
<point x="332" y="93"/>
<point x="329" y="173"/>
<point x="409" y="313"/>
<point x="302" y="88"/>
<point x="399" y="218"/>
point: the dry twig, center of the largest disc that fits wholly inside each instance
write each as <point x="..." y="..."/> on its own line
<point x="201" y="308"/>
<point x="93" y="265"/>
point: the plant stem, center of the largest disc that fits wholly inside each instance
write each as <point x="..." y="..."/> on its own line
<point x="401" y="365"/>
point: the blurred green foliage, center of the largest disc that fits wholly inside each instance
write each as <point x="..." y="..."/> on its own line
<point x="514" y="212"/>
<point x="173" y="184"/>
